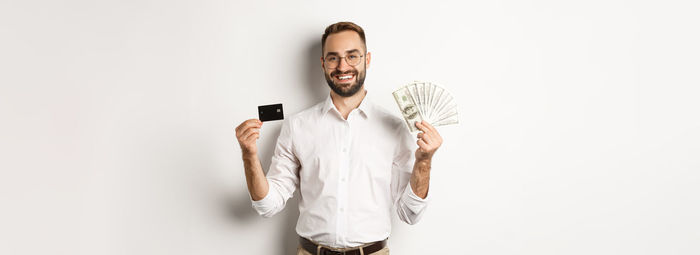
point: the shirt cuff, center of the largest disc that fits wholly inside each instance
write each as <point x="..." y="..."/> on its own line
<point x="413" y="201"/>
<point x="263" y="205"/>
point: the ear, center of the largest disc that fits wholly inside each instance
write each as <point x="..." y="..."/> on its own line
<point x="368" y="58"/>
<point x="323" y="66"/>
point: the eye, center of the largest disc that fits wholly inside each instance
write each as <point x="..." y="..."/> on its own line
<point x="353" y="56"/>
<point x="332" y="58"/>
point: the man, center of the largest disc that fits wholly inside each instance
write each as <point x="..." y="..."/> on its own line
<point x="351" y="160"/>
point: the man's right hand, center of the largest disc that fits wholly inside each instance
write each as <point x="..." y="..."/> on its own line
<point x="247" y="133"/>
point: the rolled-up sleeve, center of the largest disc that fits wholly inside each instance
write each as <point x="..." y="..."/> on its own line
<point x="282" y="176"/>
<point x="409" y="206"/>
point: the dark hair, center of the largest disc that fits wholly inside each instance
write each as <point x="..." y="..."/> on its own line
<point x="340" y="27"/>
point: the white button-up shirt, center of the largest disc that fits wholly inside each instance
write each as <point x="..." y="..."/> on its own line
<point x="350" y="174"/>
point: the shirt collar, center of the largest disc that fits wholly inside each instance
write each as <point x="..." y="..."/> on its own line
<point x="364" y="106"/>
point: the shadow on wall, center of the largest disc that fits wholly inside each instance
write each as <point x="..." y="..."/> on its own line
<point x="315" y="83"/>
<point x="240" y="208"/>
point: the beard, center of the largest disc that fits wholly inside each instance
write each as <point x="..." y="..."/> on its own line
<point x="346" y="90"/>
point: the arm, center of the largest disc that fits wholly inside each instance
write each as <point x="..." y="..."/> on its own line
<point x="420" y="178"/>
<point x="268" y="194"/>
<point x="411" y="190"/>
<point x="247" y="133"/>
<point x="255" y="177"/>
<point x="428" y="142"/>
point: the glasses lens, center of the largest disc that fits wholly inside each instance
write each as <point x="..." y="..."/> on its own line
<point x="332" y="61"/>
<point x="353" y="59"/>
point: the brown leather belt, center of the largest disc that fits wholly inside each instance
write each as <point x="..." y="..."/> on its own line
<point x="312" y="248"/>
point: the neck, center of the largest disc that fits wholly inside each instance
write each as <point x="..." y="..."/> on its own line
<point x="346" y="104"/>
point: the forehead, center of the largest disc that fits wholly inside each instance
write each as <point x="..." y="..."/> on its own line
<point x="343" y="41"/>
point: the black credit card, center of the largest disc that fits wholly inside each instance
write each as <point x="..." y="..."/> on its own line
<point x="270" y="112"/>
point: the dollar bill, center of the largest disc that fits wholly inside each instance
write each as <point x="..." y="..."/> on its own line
<point x="408" y="108"/>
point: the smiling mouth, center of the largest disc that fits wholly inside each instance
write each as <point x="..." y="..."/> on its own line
<point x="344" y="77"/>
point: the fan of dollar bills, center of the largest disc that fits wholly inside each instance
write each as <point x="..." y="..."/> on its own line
<point x="427" y="101"/>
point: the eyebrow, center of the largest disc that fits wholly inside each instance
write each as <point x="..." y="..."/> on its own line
<point x="347" y="51"/>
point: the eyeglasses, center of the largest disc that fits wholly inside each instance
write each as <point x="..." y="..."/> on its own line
<point x="332" y="61"/>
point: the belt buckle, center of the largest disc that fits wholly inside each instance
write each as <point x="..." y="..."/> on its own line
<point x="332" y="252"/>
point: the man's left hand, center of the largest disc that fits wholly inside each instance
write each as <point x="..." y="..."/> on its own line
<point x="429" y="140"/>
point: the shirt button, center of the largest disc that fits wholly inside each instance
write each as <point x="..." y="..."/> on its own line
<point x="343" y="179"/>
<point x="341" y="209"/>
<point x="345" y="149"/>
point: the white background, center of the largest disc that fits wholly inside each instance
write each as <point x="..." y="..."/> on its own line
<point x="579" y="133"/>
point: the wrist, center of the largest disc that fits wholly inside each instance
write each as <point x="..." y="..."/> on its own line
<point x="249" y="155"/>
<point x="424" y="161"/>
<point x="423" y="165"/>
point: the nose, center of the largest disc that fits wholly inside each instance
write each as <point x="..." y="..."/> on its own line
<point x="343" y="64"/>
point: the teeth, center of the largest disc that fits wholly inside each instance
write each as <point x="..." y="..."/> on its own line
<point x="345" y="77"/>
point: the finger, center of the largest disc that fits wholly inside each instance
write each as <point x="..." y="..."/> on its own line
<point x="422" y="145"/>
<point x="249" y="123"/>
<point x="435" y="134"/>
<point x="248" y="132"/>
<point x="253" y="123"/>
<point x="239" y="132"/>
<point x="427" y="139"/>
<point x="242" y="125"/>
<point x="421" y="127"/>
<point x="251" y="138"/>
<point x="429" y="126"/>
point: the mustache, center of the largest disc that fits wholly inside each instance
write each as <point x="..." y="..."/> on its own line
<point x="334" y="73"/>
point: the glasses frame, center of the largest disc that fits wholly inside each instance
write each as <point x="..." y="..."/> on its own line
<point x="341" y="59"/>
